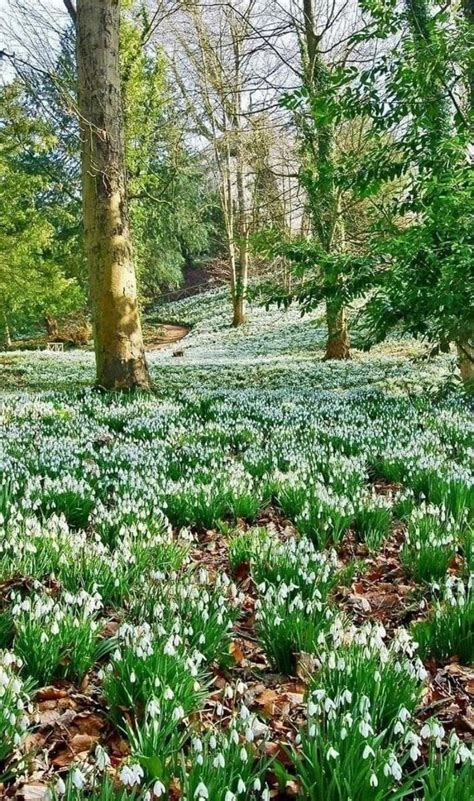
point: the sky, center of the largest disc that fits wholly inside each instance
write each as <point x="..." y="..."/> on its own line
<point x="31" y="45"/>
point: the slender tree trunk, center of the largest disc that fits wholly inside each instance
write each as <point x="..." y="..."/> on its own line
<point x="338" y="345"/>
<point x="326" y="216"/>
<point x="466" y="347"/>
<point x="229" y="215"/>
<point x="120" y="355"/>
<point x="240" y="298"/>
<point x="240" y="295"/>
<point x="7" y="341"/>
<point x="466" y="363"/>
<point x="468" y="8"/>
<point x="240" y="311"/>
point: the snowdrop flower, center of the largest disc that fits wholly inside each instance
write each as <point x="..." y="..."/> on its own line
<point x="159" y="789"/>
<point x="332" y="753"/>
<point x="313" y="708"/>
<point x="399" y="727"/>
<point x="102" y="758"/>
<point x="78" y="779"/>
<point x="201" y="791"/>
<point x="464" y="754"/>
<point x="153" y="708"/>
<point x="249" y="734"/>
<point x="131" y="775"/>
<point x="60" y="786"/>
<point x="393" y="768"/>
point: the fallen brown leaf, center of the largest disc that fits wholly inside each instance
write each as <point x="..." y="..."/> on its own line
<point x="35" y="792"/>
<point x="50" y="693"/>
<point x="236" y="652"/>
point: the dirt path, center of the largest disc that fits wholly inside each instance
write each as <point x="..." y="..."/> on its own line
<point x="157" y="337"/>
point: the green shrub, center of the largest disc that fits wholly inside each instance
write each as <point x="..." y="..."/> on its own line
<point x="449" y="629"/>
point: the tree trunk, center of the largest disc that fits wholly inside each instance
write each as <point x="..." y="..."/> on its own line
<point x="240" y="299"/>
<point x="240" y="315"/>
<point x="466" y="347"/>
<point x="468" y="8"/>
<point x="466" y="363"/>
<point x="51" y="327"/>
<point x="338" y="343"/>
<point x="7" y="340"/>
<point x="120" y="355"/>
<point x="240" y="292"/>
<point x="326" y="215"/>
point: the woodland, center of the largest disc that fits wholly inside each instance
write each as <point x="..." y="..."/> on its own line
<point x="236" y="400"/>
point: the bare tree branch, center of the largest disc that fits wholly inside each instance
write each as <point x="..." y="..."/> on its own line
<point x="71" y="9"/>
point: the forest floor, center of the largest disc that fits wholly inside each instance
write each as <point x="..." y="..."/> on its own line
<point x="222" y="586"/>
<point x="163" y="335"/>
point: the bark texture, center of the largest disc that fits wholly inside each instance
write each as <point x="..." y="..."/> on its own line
<point x="120" y="355"/>
<point x="240" y="315"/>
<point x="338" y="343"/>
<point x="466" y="363"/>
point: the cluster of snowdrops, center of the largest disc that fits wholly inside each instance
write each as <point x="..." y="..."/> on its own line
<point x="103" y="504"/>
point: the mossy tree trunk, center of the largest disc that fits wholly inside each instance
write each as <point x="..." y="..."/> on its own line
<point x="120" y="355"/>
<point x="326" y="217"/>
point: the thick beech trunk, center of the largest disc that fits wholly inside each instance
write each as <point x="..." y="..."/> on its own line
<point x="51" y="327"/>
<point x="120" y="355"/>
<point x="338" y="344"/>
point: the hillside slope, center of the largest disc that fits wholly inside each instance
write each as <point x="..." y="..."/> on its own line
<point x="275" y="349"/>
